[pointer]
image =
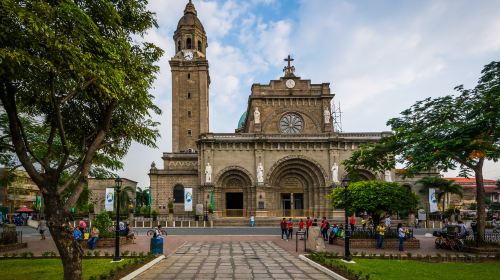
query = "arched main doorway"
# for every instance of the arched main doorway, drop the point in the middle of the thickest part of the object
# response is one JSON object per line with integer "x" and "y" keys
{"x": 233, "y": 193}
{"x": 299, "y": 187}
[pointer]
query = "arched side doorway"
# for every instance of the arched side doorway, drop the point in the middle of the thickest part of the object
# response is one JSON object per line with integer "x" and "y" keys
{"x": 299, "y": 188}
{"x": 234, "y": 193}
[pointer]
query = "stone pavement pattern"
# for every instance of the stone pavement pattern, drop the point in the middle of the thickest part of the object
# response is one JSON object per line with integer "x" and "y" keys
{"x": 232, "y": 260}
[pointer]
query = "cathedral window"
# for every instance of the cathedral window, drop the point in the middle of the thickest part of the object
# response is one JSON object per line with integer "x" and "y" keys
{"x": 189, "y": 95}
{"x": 189, "y": 114}
{"x": 188, "y": 43}
{"x": 189, "y": 76}
{"x": 179, "y": 194}
{"x": 291, "y": 123}
{"x": 189, "y": 132}
{"x": 199, "y": 46}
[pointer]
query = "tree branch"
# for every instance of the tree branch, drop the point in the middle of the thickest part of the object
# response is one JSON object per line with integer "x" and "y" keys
{"x": 76, "y": 91}
{"x": 7, "y": 95}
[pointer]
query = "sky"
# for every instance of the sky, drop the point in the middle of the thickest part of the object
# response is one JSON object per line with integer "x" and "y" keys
{"x": 379, "y": 57}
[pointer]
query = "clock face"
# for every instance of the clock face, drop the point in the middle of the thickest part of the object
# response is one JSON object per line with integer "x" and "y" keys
{"x": 290, "y": 83}
{"x": 188, "y": 55}
{"x": 291, "y": 123}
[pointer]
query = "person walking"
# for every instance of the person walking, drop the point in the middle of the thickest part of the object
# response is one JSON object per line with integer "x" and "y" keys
{"x": 402, "y": 236}
{"x": 42, "y": 227}
{"x": 352, "y": 222}
{"x": 380, "y": 235}
{"x": 283, "y": 226}
{"x": 290, "y": 228}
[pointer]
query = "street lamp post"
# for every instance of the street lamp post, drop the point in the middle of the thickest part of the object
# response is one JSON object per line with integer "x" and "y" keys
{"x": 118, "y": 184}
{"x": 347, "y": 253}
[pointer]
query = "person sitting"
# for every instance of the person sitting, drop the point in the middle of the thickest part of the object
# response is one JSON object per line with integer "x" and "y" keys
{"x": 129, "y": 233}
{"x": 77, "y": 234}
{"x": 94, "y": 236}
{"x": 462, "y": 232}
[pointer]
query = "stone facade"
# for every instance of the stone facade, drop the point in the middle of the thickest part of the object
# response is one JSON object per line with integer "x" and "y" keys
{"x": 98, "y": 191}
{"x": 279, "y": 160}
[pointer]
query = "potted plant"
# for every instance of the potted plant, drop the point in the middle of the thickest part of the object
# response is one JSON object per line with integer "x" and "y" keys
{"x": 170, "y": 206}
{"x": 154, "y": 213}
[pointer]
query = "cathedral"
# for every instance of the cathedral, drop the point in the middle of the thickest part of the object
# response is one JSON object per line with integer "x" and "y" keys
{"x": 283, "y": 159}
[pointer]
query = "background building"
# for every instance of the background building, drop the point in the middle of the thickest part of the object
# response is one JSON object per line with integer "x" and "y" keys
{"x": 98, "y": 187}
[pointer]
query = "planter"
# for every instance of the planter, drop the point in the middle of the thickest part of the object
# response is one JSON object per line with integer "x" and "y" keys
{"x": 106, "y": 242}
{"x": 388, "y": 243}
{"x": 12, "y": 247}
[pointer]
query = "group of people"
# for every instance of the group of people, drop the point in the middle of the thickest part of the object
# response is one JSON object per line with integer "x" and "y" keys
{"x": 287, "y": 227}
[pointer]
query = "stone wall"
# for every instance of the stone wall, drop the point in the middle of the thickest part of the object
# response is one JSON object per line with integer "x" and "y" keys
{"x": 388, "y": 243}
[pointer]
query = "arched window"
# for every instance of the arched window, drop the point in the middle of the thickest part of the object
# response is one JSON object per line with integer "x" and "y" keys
{"x": 179, "y": 45}
{"x": 199, "y": 46}
{"x": 179, "y": 194}
{"x": 189, "y": 76}
{"x": 188, "y": 43}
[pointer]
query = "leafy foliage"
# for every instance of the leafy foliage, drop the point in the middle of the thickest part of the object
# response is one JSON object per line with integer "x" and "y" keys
{"x": 376, "y": 198}
{"x": 442, "y": 187}
{"x": 103, "y": 222}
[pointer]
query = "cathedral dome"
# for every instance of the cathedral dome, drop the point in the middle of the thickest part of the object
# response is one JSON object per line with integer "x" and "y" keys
{"x": 241, "y": 122}
{"x": 190, "y": 18}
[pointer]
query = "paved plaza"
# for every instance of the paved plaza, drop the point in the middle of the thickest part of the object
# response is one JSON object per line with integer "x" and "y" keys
{"x": 232, "y": 260}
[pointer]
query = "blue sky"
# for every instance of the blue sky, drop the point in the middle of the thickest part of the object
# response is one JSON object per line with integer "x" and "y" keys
{"x": 379, "y": 56}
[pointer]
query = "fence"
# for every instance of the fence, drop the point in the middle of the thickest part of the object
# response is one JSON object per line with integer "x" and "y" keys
{"x": 490, "y": 239}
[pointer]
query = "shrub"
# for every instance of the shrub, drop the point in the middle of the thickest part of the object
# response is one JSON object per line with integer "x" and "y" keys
{"x": 363, "y": 254}
{"x": 13, "y": 255}
{"x": 141, "y": 254}
{"x": 26, "y": 255}
{"x": 88, "y": 253}
{"x": 106, "y": 254}
{"x": 409, "y": 255}
{"x": 125, "y": 253}
{"x": 134, "y": 254}
{"x": 103, "y": 222}
{"x": 97, "y": 253}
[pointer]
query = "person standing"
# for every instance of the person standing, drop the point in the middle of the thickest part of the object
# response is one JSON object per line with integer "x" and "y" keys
{"x": 290, "y": 228}
{"x": 363, "y": 222}
{"x": 402, "y": 236}
{"x": 283, "y": 226}
{"x": 309, "y": 224}
{"x": 380, "y": 235}
{"x": 325, "y": 226}
{"x": 42, "y": 227}
{"x": 252, "y": 220}
{"x": 352, "y": 222}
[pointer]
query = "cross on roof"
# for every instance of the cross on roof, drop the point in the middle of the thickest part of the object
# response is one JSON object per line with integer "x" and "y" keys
{"x": 289, "y": 69}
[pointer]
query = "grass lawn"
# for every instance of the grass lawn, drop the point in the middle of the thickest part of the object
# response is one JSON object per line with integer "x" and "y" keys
{"x": 409, "y": 270}
{"x": 41, "y": 269}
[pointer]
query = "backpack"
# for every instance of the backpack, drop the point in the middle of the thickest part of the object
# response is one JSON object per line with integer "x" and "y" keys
{"x": 327, "y": 227}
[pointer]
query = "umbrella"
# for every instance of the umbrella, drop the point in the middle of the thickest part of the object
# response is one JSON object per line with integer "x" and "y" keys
{"x": 25, "y": 210}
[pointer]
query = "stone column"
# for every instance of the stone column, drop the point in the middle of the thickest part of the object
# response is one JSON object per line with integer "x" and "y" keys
{"x": 316, "y": 202}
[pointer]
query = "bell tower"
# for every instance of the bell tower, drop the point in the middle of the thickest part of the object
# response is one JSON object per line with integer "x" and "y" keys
{"x": 190, "y": 82}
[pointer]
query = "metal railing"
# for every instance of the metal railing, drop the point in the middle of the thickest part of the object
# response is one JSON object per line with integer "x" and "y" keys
{"x": 492, "y": 239}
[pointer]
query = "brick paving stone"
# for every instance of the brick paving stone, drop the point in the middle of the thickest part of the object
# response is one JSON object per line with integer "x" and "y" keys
{"x": 232, "y": 260}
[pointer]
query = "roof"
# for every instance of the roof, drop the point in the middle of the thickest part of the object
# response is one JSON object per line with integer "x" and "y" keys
{"x": 462, "y": 180}
{"x": 190, "y": 19}
{"x": 241, "y": 122}
{"x": 470, "y": 184}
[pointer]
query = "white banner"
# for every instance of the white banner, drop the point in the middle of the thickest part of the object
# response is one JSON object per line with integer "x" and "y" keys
{"x": 188, "y": 199}
{"x": 109, "y": 199}
{"x": 433, "y": 206}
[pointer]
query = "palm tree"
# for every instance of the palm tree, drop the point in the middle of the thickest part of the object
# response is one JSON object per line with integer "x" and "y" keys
{"x": 442, "y": 186}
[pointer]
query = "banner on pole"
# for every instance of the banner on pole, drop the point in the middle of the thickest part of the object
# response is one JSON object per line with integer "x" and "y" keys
{"x": 188, "y": 199}
{"x": 433, "y": 206}
{"x": 109, "y": 199}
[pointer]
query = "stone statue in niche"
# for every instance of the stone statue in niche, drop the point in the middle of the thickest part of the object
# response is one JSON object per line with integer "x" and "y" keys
{"x": 208, "y": 173}
{"x": 260, "y": 173}
{"x": 256, "y": 115}
{"x": 388, "y": 176}
{"x": 326, "y": 114}
{"x": 335, "y": 173}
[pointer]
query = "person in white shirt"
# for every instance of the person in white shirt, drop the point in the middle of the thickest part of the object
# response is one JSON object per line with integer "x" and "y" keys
{"x": 388, "y": 222}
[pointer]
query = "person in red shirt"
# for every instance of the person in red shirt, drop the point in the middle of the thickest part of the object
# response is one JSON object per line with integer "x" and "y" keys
{"x": 290, "y": 228}
{"x": 301, "y": 225}
{"x": 283, "y": 226}
{"x": 352, "y": 222}
{"x": 308, "y": 225}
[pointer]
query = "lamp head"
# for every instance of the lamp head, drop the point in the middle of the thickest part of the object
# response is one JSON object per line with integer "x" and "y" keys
{"x": 118, "y": 182}
{"x": 345, "y": 181}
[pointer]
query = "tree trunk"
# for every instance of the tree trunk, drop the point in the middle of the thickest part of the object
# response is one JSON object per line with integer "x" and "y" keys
{"x": 69, "y": 249}
{"x": 481, "y": 205}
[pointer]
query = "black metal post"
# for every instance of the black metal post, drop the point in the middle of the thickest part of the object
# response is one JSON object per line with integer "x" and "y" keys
{"x": 118, "y": 184}
{"x": 347, "y": 253}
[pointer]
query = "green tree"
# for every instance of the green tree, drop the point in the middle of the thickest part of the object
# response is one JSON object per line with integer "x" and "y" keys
{"x": 74, "y": 85}
{"x": 442, "y": 186}
{"x": 377, "y": 198}
{"x": 449, "y": 132}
